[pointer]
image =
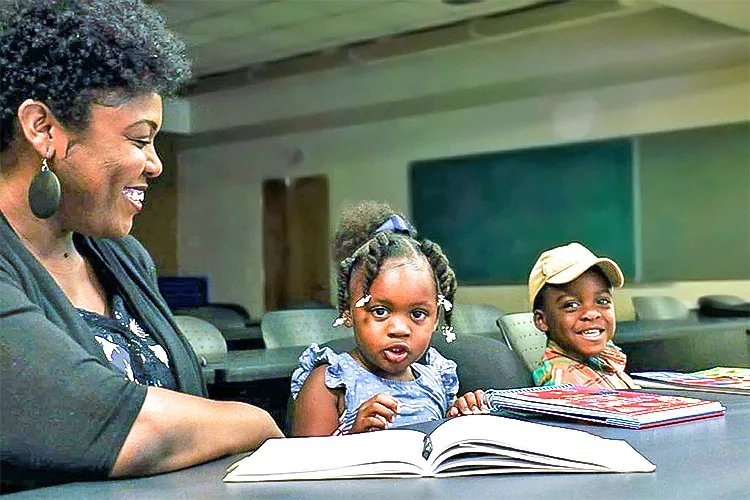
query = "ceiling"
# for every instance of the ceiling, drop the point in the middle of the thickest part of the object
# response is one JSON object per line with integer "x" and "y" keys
{"x": 224, "y": 35}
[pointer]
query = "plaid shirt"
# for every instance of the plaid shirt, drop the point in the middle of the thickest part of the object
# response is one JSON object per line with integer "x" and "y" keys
{"x": 606, "y": 371}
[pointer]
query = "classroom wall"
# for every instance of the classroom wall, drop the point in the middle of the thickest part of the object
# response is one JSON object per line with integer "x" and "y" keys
{"x": 695, "y": 185}
{"x": 219, "y": 216}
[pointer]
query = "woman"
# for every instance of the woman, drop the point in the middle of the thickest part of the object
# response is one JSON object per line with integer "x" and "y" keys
{"x": 96, "y": 379}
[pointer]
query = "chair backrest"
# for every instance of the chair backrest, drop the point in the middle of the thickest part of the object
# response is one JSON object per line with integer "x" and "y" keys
{"x": 205, "y": 339}
{"x": 300, "y": 327}
{"x": 477, "y": 319}
{"x": 482, "y": 362}
{"x": 221, "y": 315}
{"x": 523, "y": 337}
{"x": 723, "y": 305}
{"x": 659, "y": 307}
{"x": 310, "y": 304}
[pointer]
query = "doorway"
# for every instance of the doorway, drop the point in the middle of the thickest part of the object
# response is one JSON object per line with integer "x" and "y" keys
{"x": 295, "y": 243}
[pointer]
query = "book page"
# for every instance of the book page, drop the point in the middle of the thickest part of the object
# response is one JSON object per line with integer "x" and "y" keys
{"x": 469, "y": 456}
{"x": 494, "y": 465}
{"x": 576, "y": 447}
{"x": 382, "y": 452}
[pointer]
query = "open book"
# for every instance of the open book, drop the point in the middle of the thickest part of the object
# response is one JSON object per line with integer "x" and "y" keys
{"x": 468, "y": 445}
{"x": 719, "y": 379}
{"x": 636, "y": 410}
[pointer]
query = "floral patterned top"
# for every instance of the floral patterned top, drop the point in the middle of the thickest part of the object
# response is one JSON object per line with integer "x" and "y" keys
{"x": 129, "y": 348}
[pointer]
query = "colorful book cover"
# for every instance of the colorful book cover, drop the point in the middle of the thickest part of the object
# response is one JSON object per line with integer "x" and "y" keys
{"x": 622, "y": 408}
{"x": 719, "y": 377}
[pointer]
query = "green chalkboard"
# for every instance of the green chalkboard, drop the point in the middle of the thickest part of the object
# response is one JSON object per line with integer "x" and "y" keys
{"x": 494, "y": 213}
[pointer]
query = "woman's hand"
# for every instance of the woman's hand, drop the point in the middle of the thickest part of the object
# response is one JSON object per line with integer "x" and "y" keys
{"x": 468, "y": 404}
{"x": 376, "y": 413}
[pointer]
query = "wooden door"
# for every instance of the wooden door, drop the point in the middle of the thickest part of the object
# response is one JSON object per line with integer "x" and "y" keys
{"x": 296, "y": 239}
{"x": 156, "y": 226}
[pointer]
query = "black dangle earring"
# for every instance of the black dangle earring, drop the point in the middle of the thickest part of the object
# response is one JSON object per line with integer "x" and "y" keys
{"x": 44, "y": 192}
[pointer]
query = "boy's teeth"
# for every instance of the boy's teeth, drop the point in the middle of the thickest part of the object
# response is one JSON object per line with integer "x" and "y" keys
{"x": 591, "y": 333}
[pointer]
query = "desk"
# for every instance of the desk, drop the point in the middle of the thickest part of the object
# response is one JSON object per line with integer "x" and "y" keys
{"x": 242, "y": 333}
{"x": 701, "y": 459}
{"x": 632, "y": 331}
{"x": 239, "y": 339}
{"x": 692, "y": 344}
{"x": 256, "y": 364}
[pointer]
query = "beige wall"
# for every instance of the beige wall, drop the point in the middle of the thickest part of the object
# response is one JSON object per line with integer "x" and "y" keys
{"x": 219, "y": 226}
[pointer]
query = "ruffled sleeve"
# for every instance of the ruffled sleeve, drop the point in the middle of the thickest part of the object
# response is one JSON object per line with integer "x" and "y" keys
{"x": 446, "y": 370}
{"x": 311, "y": 358}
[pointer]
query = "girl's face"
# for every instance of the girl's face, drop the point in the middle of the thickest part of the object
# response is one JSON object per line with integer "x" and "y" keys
{"x": 579, "y": 316}
{"x": 104, "y": 170}
{"x": 393, "y": 329}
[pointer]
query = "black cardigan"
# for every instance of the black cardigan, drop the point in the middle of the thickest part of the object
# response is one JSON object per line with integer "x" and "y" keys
{"x": 65, "y": 413}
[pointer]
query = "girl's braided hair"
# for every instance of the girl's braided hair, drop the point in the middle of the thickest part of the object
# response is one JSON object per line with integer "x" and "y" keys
{"x": 356, "y": 245}
{"x": 69, "y": 54}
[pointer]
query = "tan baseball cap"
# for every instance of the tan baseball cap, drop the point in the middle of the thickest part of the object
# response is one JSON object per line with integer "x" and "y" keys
{"x": 564, "y": 264}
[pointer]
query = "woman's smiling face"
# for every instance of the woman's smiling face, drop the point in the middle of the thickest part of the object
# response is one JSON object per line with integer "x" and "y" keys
{"x": 579, "y": 316}
{"x": 104, "y": 170}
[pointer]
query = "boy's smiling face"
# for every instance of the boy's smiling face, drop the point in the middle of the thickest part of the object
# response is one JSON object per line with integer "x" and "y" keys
{"x": 579, "y": 316}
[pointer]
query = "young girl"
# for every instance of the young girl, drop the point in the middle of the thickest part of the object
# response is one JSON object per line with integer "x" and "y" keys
{"x": 391, "y": 289}
{"x": 570, "y": 290}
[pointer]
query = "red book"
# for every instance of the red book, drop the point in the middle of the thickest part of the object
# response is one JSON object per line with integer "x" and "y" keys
{"x": 635, "y": 410}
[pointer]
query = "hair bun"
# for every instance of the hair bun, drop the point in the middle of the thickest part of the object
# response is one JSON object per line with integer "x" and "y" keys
{"x": 360, "y": 223}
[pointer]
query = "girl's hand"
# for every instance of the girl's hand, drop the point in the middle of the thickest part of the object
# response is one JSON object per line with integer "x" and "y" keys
{"x": 376, "y": 413}
{"x": 468, "y": 404}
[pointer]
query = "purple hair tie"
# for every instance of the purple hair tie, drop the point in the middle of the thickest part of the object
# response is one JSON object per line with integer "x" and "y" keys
{"x": 394, "y": 223}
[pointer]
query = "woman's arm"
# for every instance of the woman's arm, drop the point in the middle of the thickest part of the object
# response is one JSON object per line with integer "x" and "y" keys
{"x": 317, "y": 408}
{"x": 67, "y": 416}
{"x": 175, "y": 430}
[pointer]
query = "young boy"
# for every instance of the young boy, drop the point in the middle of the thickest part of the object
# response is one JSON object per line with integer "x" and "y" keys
{"x": 570, "y": 290}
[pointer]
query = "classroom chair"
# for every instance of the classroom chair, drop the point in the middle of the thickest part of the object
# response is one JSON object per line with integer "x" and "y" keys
{"x": 240, "y": 330}
{"x": 522, "y": 336}
{"x": 477, "y": 319}
{"x": 205, "y": 339}
{"x": 300, "y": 327}
{"x": 723, "y": 305}
{"x": 483, "y": 362}
{"x": 223, "y": 315}
{"x": 659, "y": 307}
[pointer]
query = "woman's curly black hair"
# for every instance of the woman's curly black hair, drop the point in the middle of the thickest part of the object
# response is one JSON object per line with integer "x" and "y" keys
{"x": 72, "y": 53}
{"x": 356, "y": 245}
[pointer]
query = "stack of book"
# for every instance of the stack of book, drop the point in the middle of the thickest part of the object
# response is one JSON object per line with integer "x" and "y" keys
{"x": 632, "y": 409}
